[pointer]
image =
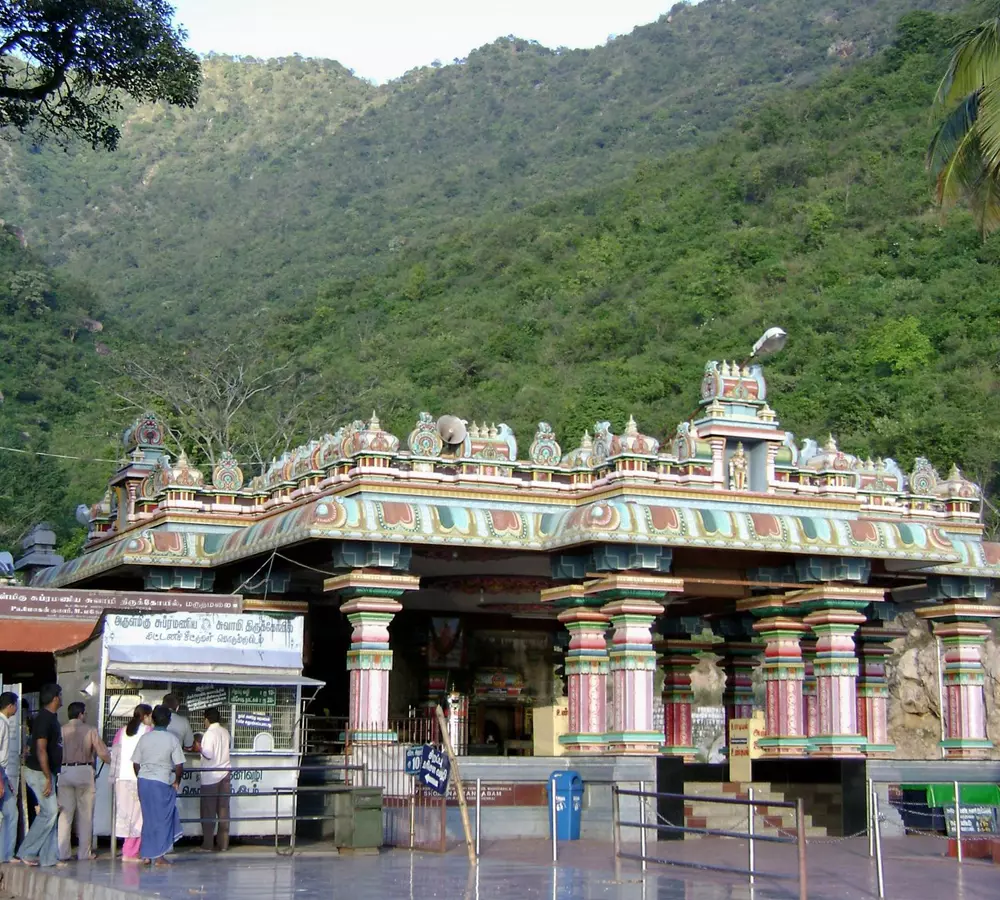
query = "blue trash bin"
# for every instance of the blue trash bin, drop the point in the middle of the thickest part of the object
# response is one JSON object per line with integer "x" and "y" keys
{"x": 566, "y": 792}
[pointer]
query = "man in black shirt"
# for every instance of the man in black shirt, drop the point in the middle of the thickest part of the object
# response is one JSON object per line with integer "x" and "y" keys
{"x": 41, "y": 768}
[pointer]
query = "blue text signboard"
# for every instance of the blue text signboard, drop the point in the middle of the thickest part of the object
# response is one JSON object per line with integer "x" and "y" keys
{"x": 435, "y": 768}
{"x": 413, "y": 757}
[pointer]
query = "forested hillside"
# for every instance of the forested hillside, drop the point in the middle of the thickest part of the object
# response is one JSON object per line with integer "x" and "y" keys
{"x": 52, "y": 357}
{"x": 814, "y": 214}
{"x": 291, "y": 171}
{"x": 582, "y": 298}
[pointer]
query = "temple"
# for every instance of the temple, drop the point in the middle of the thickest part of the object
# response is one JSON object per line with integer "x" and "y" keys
{"x": 526, "y": 584}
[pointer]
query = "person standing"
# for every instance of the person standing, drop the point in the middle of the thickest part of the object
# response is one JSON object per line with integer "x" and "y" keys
{"x": 158, "y": 761}
{"x": 216, "y": 785}
{"x": 41, "y": 773}
{"x": 10, "y": 760}
{"x": 81, "y": 745}
{"x": 179, "y": 726}
{"x": 128, "y": 813}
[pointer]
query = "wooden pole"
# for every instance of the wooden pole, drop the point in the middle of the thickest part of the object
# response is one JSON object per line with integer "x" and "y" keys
{"x": 470, "y": 844}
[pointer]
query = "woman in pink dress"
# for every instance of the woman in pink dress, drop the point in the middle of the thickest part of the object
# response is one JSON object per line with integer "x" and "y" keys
{"x": 128, "y": 814}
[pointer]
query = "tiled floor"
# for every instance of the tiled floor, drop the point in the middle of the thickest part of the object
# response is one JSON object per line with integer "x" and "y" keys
{"x": 914, "y": 869}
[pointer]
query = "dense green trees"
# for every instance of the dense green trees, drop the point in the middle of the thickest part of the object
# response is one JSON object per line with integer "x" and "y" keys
{"x": 64, "y": 66}
{"x": 549, "y": 295}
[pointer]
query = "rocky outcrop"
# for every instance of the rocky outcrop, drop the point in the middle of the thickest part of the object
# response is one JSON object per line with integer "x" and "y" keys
{"x": 914, "y": 703}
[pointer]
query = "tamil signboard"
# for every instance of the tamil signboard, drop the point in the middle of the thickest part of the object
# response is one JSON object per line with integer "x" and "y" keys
{"x": 53, "y": 603}
{"x": 435, "y": 769}
{"x": 743, "y": 737}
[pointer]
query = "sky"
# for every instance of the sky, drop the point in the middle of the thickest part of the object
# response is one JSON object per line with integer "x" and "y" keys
{"x": 382, "y": 41}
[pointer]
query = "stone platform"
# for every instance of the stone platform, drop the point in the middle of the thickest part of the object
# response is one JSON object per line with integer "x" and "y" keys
{"x": 915, "y": 868}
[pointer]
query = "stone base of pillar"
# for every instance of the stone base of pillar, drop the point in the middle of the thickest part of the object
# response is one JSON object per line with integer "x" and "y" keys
{"x": 838, "y": 746}
{"x": 966, "y": 748}
{"x": 688, "y": 754}
{"x": 634, "y": 742}
{"x": 784, "y": 746}
{"x": 578, "y": 744}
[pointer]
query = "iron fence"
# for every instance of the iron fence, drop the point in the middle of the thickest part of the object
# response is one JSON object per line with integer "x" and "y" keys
{"x": 751, "y": 837}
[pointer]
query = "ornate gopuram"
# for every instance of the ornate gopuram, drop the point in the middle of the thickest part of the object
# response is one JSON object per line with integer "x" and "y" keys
{"x": 562, "y": 598}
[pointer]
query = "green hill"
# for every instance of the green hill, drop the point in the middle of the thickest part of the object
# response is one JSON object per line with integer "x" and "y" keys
{"x": 589, "y": 298}
{"x": 292, "y": 171}
{"x": 52, "y": 356}
{"x": 814, "y": 214}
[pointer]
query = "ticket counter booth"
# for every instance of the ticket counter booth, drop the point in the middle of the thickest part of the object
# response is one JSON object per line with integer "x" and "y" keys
{"x": 248, "y": 666}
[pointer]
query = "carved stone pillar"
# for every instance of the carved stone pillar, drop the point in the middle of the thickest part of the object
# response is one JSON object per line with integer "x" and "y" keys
{"x": 873, "y": 687}
{"x": 783, "y": 672}
{"x": 630, "y": 601}
{"x": 371, "y": 603}
{"x": 810, "y": 707}
{"x": 678, "y": 660}
{"x": 739, "y": 659}
{"x": 586, "y": 669}
{"x": 836, "y": 669}
{"x": 963, "y": 628}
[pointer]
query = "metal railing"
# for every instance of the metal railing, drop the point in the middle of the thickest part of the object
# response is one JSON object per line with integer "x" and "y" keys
{"x": 292, "y": 792}
{"x": 875, "y": 819}
{"x": 751, "y": 837}
{"x": 334, "y": 735}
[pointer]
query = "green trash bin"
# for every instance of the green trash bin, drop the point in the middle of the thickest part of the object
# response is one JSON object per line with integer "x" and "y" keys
{"x": 358, "y": 818}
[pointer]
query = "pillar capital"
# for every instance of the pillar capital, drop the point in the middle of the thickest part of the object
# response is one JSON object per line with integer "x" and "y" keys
{"x": 366, "y": 583}
{"x": 944, "y": 615}
{"x": 633, "y": 587}
{"x": 568, "y": 595}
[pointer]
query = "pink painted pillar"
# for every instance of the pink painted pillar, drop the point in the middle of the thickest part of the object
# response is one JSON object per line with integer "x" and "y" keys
{"x": 678, "y": 660}
{"x": 783, "y": 674}
{"x": 836, "y": 669}
{"x": 873, "y": 687}
{"x": 371, "y": 604}
{"x": 810, "y": 708}
{"x": 633, "y": 666}
{"x": 963, "y": 636}
{"x": 586, "y": 679}
{"x": 739, "y": 659}
{"x": 370, "y": 661}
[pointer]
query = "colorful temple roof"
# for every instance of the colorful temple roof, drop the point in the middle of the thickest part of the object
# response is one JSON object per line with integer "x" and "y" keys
{"x": 729, "y": 478}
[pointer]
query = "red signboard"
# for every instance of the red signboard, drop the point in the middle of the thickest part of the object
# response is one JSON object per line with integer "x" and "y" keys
{"x": 497, "y": 794}
{"x": 52, "y": 603}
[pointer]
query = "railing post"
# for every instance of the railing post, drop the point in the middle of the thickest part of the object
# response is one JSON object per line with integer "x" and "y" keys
{"x": 878, "y": 845}
{"x": 642, "y": 824}
{"x": 479, "y": 787}
{"x": 750, "y": 831}
{"x": 552, "y": 800}
{"x": 114, "y": 817}
{"x": 800, "y": 840}
{"x": 871, "y": 831}
{"x": 616, "y": 820}
{"x": 958, "y": 823}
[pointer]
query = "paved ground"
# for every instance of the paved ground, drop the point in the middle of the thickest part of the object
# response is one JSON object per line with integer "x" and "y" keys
{"x": 915, "y": 869}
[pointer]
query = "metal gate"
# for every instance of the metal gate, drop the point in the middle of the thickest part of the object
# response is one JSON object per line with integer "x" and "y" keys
{"x": 413, "y": 816}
